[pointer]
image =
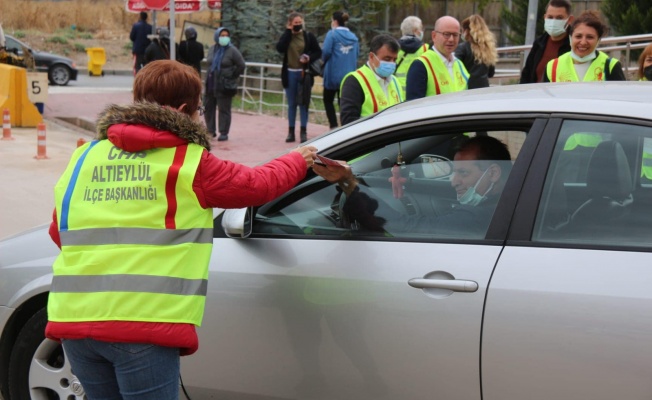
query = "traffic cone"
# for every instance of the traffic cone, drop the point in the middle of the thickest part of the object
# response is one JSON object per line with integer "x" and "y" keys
{"x": 40, "y": 148}
{"x": 80, "y": 142}
{"x": 6, "y": 125}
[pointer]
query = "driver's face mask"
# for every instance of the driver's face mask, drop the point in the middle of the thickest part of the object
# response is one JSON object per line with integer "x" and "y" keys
{"x": 473, "y": 198}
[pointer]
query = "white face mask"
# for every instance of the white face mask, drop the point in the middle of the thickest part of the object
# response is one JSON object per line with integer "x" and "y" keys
{"x": 473, "y": 198}
{"x": 555, "y": 27}
{"x": 420, "y": 35}
{"x": 584, "y": 59}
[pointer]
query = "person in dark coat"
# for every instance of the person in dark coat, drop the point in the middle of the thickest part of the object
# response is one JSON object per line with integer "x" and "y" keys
{"x": 226, "y": 64}
{"x": 478, "y": 52}
{"x": 159, "y": 49}
{"x": 551, "y": 44}
{"x": 138, "y": 36}
{"x": 191, "y": 52}
{"x": 299, "y": 49}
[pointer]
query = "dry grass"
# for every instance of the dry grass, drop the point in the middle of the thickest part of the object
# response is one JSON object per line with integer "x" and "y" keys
{"x": 48, "y": 26}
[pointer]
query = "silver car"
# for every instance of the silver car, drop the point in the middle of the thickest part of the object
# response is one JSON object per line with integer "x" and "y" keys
{"x": 551, "y": 299}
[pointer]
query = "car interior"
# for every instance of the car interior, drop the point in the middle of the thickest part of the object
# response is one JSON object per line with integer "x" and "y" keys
{"x": 597, "y": 191}
{"x": 425, "y": 165}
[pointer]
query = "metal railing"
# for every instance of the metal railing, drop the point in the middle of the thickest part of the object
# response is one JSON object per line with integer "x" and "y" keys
{"x": 260, "y": 79}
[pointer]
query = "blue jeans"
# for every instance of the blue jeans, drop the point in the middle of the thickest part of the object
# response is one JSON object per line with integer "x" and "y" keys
{"x": 109, "y": 371}
{"x": 294, "y": 80}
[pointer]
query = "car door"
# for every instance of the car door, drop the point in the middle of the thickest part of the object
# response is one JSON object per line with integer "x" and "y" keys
{"x": 569, "y": 309}
{"x": 313, "y": 305}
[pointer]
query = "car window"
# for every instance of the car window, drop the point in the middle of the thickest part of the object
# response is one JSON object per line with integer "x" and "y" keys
{"x": 599, "y": 186}
{"x": 13, "y": 45}
{"x": 406, "y": 190}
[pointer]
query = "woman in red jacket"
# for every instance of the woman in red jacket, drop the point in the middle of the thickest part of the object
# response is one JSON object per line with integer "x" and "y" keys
{"x": 133, "y": 219}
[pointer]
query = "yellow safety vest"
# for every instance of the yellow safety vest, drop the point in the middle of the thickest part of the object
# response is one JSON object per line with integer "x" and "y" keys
{"x": 439, "y": 79}
{"x": 562, "y": 70}
{"x": 403, "y": 62}
{"x": 135, "y": 241}
{"x": 374, "y": 97}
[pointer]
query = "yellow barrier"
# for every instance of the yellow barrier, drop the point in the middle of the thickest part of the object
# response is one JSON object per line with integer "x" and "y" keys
{"x": 13, "y": 95}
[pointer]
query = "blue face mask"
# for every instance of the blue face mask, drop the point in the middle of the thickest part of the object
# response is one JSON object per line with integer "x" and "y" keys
{"x": 385, "y": 69}
{"x": 224, "y": 41}
{"x": 473, "y": 198}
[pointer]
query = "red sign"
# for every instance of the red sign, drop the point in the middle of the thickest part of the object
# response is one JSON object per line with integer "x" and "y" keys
{"x": 180, "y": 6}
{"x": 156, "y": 4}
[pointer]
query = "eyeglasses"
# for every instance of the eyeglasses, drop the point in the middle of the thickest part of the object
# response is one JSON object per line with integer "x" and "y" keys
{"x": 201, "y": 109}
{"x": 448, "y": 35}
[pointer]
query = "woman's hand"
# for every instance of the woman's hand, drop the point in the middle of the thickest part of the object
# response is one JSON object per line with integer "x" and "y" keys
{"x": 308, "y": 153}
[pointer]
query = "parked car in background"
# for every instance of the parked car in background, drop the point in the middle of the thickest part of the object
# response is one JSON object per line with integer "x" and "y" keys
{"x": 60, "y": 69}
{"x": 550, "y": 300}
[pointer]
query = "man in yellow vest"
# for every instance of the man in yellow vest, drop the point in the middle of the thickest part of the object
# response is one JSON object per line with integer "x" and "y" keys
{"x": 412, "y": 46}
{"x": 372, "y": 87}
{"x": 438, "y": 71}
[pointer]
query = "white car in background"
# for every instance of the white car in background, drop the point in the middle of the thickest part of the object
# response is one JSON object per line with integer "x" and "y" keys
{"x": 552, "y": 300}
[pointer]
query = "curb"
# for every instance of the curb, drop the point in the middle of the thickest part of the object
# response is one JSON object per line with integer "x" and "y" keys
{"x": 123, "y": 72}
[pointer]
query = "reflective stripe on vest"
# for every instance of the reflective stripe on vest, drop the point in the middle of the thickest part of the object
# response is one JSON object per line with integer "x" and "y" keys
{"x": 374, "y": 96}
{"x": 439, "y": 79}
{"x": 403, "y": 63}
{"x": 135, "y": 241}
{"x": 562, "y": 69}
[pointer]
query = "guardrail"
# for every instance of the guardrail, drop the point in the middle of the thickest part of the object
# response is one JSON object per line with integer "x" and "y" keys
{"x": 262, "y": 79}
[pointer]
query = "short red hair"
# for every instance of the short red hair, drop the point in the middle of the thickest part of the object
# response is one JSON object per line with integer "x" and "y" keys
{"x": 168, "y": 83}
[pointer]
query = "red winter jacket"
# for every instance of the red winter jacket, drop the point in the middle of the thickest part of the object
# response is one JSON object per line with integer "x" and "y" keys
{"x": 217, "y": 183}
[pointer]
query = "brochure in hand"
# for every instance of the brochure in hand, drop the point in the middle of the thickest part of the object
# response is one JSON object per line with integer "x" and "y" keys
{"x": 328, "y": 162}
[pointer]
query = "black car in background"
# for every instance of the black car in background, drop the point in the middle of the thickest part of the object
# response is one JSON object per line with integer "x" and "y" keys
{"x": 60, "y": 69}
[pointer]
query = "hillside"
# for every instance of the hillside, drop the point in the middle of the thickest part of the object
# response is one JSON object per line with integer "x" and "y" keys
{"x": 69, "y": 27}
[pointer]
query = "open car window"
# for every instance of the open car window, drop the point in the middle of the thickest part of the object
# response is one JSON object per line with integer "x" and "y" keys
{"x": 405, "y": 192}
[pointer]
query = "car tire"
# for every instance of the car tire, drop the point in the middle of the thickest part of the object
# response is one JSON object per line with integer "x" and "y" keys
{"x": 59, "y": 74}
{"x": 38, "y": 368}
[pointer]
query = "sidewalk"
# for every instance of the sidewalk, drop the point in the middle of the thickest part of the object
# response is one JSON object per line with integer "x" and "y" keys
{"x": 27, "y": 184}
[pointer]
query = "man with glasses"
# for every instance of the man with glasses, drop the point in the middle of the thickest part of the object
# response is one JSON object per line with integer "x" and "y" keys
{"x": 438, "y": 71}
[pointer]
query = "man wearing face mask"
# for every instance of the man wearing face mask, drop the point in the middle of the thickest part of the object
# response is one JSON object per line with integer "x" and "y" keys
{"x": 372, "y": 87}
{"x": 412, "y": 46}
{"x": 438, "y": 71}
{"x": 481, "y": 167}
{"x": 551, "y": 44}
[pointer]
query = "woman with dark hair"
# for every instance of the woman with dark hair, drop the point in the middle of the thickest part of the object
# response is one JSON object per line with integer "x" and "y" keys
{"x": 299, "y": 49}
{"x": 478, "y": 52}
{"x": 340, "y": 55}
{"x": 134, "y": 221}
{"x": 645, "y": 64}
{"x": 225, "y": 67}
{"x": 584, "y": 63}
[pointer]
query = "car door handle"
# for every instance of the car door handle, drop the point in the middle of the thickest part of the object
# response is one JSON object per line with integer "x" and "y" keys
{"x": 456, "y": 285}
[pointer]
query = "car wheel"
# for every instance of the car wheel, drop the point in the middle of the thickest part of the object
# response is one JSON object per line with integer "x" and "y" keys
{"x": 38, "y": 368}
{"x": 59, "y": 75}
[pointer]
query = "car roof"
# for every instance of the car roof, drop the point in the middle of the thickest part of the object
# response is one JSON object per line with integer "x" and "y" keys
{"x": 617, "y": 99}
{"x": 630, "y": 99}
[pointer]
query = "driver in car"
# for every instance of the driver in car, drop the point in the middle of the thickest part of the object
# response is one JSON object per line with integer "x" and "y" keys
{"x": 481, "y": 167}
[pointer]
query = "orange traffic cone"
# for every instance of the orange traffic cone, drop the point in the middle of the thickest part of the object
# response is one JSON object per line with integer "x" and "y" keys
{"x": 40, "y": 149}
{"x": 6, "y": 125}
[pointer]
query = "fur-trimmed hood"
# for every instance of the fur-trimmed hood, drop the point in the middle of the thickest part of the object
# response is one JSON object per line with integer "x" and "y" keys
{"x": 143, "y": 125}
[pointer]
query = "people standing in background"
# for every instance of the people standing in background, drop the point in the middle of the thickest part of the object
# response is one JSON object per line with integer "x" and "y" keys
{"x": 226, "y": 66}
{"x": 159, "y": 49}
{"x": 191, "y": 52}
{"x": 412, "y": 46}
{"x": 438, "y": 71}
{"x": 478, "y": 52}
{"x": 340, "y": 55}
{"x": 551, "y": 44}
{"x": 584, "y": 63}
{"x": 299, "y": 49}
{"x": 645, "y": 64}
{"x": 140, "y": 41}
{"x": 372, "y": 87}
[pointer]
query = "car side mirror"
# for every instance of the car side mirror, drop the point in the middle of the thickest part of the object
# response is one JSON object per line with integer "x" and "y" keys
{"x": 238, "y": 222}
